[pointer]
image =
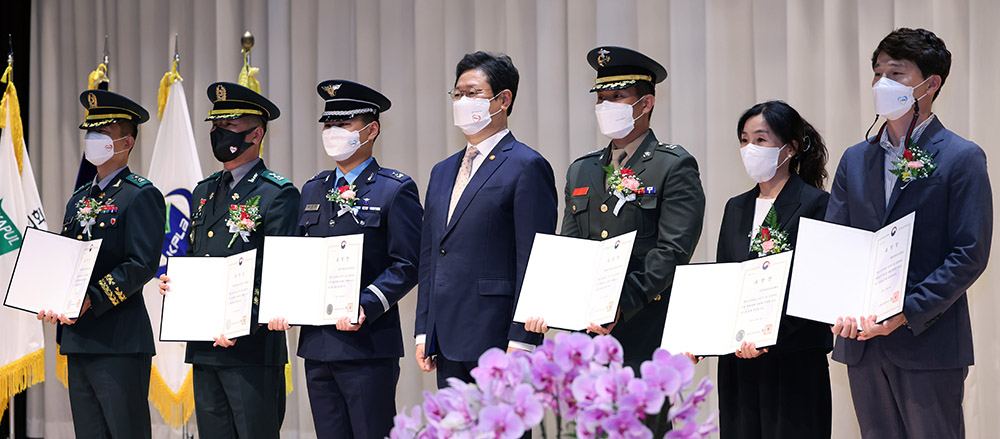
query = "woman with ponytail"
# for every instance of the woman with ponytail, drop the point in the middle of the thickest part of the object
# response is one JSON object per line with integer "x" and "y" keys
{"x": 782, "y": 391}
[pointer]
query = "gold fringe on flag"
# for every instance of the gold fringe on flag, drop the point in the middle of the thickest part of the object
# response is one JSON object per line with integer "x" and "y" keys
{"x": 20, "y": 374}
{"x": 62, "y": 371}
{"x": 168, "y": 79}
{"x": 176, "y": 408}
{"x": 16, "y": 130}
{"x": 288, "y": 378}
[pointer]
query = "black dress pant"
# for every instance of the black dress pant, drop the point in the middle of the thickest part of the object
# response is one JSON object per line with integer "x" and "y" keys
{"x": 352, "y": 399}
{"x": 108, "y": 395}
{"x": 244, "y": 402}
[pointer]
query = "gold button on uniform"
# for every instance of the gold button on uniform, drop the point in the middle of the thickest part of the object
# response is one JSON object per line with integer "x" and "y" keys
{"x": 574, "y": 208}
{"x": 604, "y": 233}
{"x": 211, "y": 233}
{"x": 79, "y": 236}
{"x": 604, "y": 208}
{"x": 657, "y": 298}
{"x": 102, "y": 223}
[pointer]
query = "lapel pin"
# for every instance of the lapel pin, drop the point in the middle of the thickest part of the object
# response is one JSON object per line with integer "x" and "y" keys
{"x": 236, "y": 196}
{"x": 647, "y": 155}
{"x": 371, "y": 176}
{"x": 492, "y": 157}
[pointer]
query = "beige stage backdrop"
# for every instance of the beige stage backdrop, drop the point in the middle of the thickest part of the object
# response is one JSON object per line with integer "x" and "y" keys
{"x": 723, "y": 56}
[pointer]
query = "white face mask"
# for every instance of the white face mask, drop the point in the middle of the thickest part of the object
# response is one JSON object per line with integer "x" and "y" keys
{"x": 615, "y": 119}
{"x": 341, "y": 144}
{"x": 761, "y": 162}
{"x": 99, "y": 148}
{"x": 892, "y": 99}
{"x": 472, "y": 114}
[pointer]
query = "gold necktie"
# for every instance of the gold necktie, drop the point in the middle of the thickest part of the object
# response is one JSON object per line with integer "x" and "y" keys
{"x": 464, "y": 175}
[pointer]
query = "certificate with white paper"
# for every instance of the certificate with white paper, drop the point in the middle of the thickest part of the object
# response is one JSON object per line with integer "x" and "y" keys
{"x": 311, "y": 280}
{"x": 208, "y": 296}
{"x": 572, "y": 282}
{"x": 714, "y": 308}
{"x": 846, "y": 272}
{"x": 52, "y": 272}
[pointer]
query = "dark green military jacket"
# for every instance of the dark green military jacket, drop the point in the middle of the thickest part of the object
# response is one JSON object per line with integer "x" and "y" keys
{"x": 667, "y": 218}
{"x": 209, "y": 236}
{"x": 130, "y": 221}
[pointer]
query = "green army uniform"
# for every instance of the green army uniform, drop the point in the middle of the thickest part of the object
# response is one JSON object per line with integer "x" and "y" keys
{"x": 110, "y": 347}
{"x": 667, "y": 213}
{"x": 239, "y": 391}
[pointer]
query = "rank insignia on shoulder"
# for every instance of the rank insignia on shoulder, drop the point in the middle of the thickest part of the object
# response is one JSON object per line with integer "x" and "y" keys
{"x": 397, "y": 174}
{"x": 312, "y": 207}
{"x": 580, "y": 191}
{"x": 135, "y": 179}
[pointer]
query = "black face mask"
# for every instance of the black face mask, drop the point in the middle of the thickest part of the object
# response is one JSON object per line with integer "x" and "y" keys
{"x": 227, "y": 145}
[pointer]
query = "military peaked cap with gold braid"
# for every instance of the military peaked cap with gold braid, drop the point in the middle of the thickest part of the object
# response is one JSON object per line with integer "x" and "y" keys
{"x": 346, "y": 99}
{"x": 105, "y": 108}
{"x": 618, "y": 68}
{"x": 233, "y": 101}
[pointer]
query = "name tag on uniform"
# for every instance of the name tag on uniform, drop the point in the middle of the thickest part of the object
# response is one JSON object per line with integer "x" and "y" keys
{"x": 312, "y": 207}
{"x": 580, "y": 191}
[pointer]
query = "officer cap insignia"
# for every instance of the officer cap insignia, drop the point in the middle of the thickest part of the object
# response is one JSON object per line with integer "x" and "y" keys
{"x": 603, "y": 57}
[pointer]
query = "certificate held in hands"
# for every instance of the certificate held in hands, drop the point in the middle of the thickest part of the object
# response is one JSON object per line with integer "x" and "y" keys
{"x": 714, "y": 308}
{"x": 846, "y": 272}
{"x": 572, "y": 282}
{"x": 208, "y": 296}
{"x": 52, "y": 272}
{"x": 310, "y": 280}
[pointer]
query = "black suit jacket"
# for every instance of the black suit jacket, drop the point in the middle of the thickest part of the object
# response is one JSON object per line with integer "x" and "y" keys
{"x": 132, "y": 233}
{"x": 796, "y": 200}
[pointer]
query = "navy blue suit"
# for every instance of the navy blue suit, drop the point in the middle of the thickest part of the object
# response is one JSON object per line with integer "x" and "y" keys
{"x": 352, "y": 376}
{"x": 925, "y": 361}
{"x": 471, "y": 269}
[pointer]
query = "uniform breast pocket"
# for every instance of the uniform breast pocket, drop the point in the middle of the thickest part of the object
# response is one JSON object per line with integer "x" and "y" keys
{"x": 647, "y": 216}
{"x": 578, "y": 208}
{"x": 308, "y": 222}
{"x": 369, "y": 219}
{"x": 106, "y": 227}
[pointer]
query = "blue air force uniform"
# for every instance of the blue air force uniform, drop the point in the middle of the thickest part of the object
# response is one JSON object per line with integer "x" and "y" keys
{"x": 352, "y": 376}
{"x": 239, "y": 391}
{"x": 110, "y": 347}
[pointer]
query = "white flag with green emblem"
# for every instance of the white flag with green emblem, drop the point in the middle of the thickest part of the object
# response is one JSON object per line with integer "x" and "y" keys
{"x": 21, "y": 350}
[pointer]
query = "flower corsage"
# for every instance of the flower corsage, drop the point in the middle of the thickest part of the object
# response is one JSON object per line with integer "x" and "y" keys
{"x": 769, "y": 239}
{"x": 914, "y": 163}
{"x": 87, "y": 210}
{"x": 243, "y": 219}
{"x": 346, "y": 199}
{"x": 622, "y": 183}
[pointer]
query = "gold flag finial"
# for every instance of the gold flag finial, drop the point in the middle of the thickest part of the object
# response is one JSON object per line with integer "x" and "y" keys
{"x": 247, "y": 41}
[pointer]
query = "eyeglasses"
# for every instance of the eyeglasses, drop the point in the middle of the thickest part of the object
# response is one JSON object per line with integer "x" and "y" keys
{"x": 457, "y": 94}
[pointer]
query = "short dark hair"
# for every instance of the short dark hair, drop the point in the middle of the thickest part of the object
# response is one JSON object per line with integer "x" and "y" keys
{"x": 643, "y": 88}
{"x": 258, "y": 121}
{"x": 921, "y": 47}
{"x": 128, "y": 128}
{"x": 498, "y": 68}
{"x": 809, "y": 162}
